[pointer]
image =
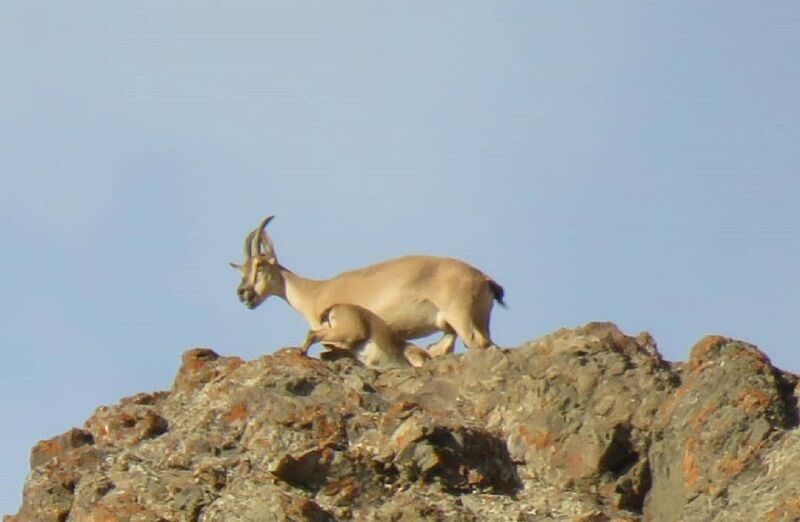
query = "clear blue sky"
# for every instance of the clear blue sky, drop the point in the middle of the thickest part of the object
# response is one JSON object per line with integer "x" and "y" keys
{"x": 637, "y": 162}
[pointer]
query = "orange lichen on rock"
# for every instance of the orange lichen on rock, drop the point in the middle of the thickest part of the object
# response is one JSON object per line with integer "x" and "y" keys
{"x": 538, "y": 439}
{"x": 237, "y": 413}
{"x": 752, "y": 401}
{"x": 703, "y": 350}
{"x": 689, "y": 461}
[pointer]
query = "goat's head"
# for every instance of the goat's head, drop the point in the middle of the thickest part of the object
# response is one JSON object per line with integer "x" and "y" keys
{"x": 260, "y": 271}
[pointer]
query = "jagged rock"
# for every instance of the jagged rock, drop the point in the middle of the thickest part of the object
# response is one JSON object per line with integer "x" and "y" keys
{"x": 585, "y": 424}
{"x": 731, "y": 406}
{"x": 58, "y": 446}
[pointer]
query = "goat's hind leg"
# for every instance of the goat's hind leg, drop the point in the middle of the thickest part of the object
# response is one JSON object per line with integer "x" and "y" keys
{"x": 446, "y": 344}
{"x": 471, "y": 327}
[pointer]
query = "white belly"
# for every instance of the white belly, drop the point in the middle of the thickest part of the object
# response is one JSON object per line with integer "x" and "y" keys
{"x": 372, "y": 355}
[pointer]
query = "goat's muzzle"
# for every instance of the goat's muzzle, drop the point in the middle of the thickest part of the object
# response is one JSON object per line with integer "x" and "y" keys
{"x": 248, "y": 297}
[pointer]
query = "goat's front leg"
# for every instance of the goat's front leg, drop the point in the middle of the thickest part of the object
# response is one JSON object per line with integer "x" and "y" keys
{"x": 331, "y": 339}
{"x": 313, "y": 336}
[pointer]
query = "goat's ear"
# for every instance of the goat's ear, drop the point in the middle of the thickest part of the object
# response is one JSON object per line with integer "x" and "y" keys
{"x": 324, "y": 316}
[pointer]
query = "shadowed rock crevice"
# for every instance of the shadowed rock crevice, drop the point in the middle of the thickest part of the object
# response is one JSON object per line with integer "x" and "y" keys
{"x": 620, "y": 454}
{"x": 632, "y": 488}
{"x": 461, "y": 460}
{"x": 788, "y": 390}
{"x": 301, "y": 387}
{"x": 584, "y": 424}
{"x": 307, "y": 470}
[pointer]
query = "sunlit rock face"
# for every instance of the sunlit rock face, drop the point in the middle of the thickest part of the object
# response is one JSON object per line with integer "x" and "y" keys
{"x": 585, "y": 424}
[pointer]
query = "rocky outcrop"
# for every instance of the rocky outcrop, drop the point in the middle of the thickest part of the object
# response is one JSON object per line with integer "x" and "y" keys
{"x": 585, "y": 424}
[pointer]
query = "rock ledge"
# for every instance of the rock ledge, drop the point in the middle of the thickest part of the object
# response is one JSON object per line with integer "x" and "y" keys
{"x": 585, "y": 424}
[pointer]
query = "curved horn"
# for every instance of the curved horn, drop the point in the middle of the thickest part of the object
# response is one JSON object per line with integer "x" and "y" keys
{"x": 254, "y": 240}
{"x": 248, "y": 245}
{"x": 265, "y": 222}
{"x": 256, "y": 236}
{"x": 263, "y": 239}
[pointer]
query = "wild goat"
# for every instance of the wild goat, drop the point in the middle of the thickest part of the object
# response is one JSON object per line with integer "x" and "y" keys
{"x": 414, "y": 295}
{"x": 366, "y": 337}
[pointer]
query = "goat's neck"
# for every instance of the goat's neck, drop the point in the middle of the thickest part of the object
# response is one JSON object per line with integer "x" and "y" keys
{"x": 301, "y": 294}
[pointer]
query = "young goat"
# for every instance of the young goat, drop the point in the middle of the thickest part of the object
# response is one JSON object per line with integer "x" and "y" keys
{"x": 366, "y": 336}
{"x": 414, "y": 295}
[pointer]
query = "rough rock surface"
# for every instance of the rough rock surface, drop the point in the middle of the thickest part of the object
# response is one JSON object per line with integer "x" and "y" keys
{"x": 585, "y": 424}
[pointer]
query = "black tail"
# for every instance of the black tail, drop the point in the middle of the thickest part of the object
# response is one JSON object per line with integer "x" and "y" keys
{"x": 498, "y": 292}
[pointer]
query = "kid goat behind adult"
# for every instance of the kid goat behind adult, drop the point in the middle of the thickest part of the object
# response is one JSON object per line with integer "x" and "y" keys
{"x": 415, "y": 295}
{"x": 364, "y": 336}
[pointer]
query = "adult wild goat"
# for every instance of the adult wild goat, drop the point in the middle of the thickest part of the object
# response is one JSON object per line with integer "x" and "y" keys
{"x": 414, "y": 295}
